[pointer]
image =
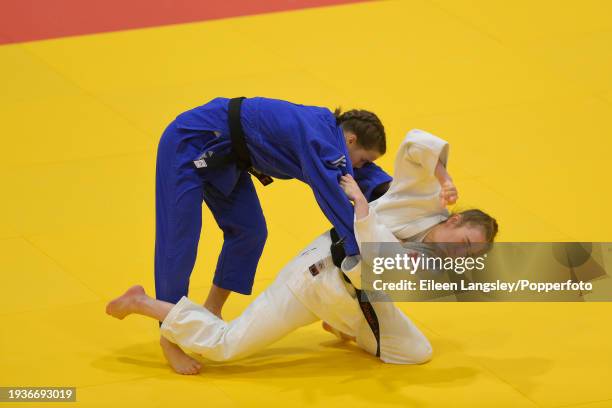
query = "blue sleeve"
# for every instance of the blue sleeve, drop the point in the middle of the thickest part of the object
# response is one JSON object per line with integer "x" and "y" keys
{"x": 372, "y": 180}
{"x": 322, "y": 166}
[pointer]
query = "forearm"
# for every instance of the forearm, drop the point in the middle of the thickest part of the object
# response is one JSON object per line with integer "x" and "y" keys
{"x": 441, "y": 173}
{"x": 362, "y": 209}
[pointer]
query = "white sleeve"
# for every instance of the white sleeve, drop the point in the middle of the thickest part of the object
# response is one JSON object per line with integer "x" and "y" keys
{"x": 367, "y": 229}
{"x": 370, "y": 229}
{"x": 424, "y": 149}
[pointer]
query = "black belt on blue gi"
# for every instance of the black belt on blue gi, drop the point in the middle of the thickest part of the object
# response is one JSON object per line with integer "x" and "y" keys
{"x": 240, "y": 153}
{"x": 338, "y": 255}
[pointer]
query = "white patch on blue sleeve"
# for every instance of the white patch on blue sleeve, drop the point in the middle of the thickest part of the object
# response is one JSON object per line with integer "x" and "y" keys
{"x": 339, "y": 162}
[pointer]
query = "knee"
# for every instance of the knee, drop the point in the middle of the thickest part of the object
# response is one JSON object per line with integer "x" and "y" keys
{"x": 256, "y": 233}
{"x": 411, "y": 353}
{"x": 261, "y": 233}
{"x": 420, "y": 352}
{"x": 423, "y": 353}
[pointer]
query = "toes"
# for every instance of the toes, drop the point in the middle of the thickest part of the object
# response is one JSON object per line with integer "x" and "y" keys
{"x": 189, "y": 370}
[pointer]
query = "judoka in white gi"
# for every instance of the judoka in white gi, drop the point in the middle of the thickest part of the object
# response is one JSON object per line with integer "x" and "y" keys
{"x": 310, "y": 288}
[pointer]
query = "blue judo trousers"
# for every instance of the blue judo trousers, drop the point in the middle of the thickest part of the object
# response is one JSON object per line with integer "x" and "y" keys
{"x": 285, "y": 141}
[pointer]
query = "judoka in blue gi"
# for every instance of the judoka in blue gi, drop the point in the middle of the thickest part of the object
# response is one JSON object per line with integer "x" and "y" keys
{"x": 208, "y": 154}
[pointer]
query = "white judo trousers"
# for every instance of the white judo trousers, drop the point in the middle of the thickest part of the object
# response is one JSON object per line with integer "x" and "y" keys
{"x": 310, "y": 288}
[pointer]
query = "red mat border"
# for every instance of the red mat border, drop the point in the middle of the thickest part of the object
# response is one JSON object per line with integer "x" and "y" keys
{"x": 29, "y": 20}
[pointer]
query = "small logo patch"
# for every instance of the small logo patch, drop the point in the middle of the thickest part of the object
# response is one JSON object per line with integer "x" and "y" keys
{"x": 314, "y": 271}
{"x": 340, "y": 162}
{"x": 200, "y": 163}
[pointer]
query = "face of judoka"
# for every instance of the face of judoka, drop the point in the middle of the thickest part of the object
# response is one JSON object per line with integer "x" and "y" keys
{"x": 359, "y": 155}
{"x": 464, "y": 239}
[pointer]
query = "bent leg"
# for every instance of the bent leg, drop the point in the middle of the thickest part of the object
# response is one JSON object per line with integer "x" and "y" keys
{"x": 241, "y": 219}
{"x": 271, "y": 316}
{"x": 401, "y": 342}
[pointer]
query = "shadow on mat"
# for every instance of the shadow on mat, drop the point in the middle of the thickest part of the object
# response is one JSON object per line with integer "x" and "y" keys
{"x": 328, "y": 369}
{"x": 331, "y": 359}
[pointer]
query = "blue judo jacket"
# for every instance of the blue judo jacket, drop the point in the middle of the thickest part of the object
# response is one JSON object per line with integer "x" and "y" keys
{"x": 285, "y": 140}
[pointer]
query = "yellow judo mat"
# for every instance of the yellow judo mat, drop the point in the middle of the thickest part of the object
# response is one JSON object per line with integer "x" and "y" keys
{"x": 522, "y": 90}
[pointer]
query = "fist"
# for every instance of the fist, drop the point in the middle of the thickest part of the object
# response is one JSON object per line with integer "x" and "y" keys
{"x": 448, "y": 193}
{"x": 350, "y": 187}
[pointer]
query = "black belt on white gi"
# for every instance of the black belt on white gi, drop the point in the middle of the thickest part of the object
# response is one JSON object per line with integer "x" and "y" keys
{"x": 239, "y": 153}
{"x": 338, "y": 255}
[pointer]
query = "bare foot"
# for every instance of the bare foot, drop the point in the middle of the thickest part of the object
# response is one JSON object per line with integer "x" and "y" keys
{"x": 342, "y": 336}
{"x": 125, "y": 304}
{"x": 178, "y": 360}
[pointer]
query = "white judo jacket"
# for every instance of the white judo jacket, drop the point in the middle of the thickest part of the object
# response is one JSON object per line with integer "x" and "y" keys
{"x": 410, "y": 206}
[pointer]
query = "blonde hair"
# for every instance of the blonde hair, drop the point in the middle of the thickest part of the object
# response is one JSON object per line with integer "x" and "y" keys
{"x": 480, "y": 219}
